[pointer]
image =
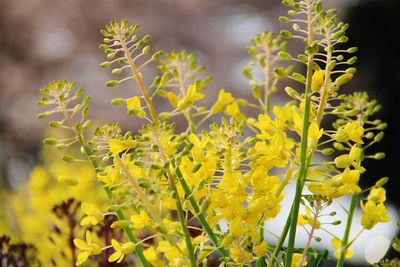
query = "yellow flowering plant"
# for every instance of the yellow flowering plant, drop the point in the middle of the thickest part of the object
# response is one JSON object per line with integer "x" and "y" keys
{"x": 204, "y": 194}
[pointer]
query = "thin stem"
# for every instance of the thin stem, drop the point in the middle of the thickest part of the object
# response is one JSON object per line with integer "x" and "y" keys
{"x": 281, "y": 240}
{"x": 139, "y": 80}
{"x": 345, "y": 239}
{"x": 303, "y": 147}
{"x": 311, "y": 234}
{"x": 324, "y": 89}
{"x": 181, "y": 215}
{"x": 198, "y": 213}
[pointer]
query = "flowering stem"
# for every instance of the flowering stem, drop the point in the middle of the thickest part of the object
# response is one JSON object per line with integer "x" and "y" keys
{"x": 345, "y": 239}
{"x": 303, "y": 146}
{"x": 139, "y": 80}
{"x": 95, "y": 165}
{"x": 198, "y": 214}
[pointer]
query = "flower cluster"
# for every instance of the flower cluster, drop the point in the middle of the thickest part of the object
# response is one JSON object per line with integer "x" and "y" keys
{"x": 185, "y": 198}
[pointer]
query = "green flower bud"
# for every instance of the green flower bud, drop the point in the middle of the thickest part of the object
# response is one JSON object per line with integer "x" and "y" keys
{"x": 343, "y": 79}
{"x": 196, "y": 167}
{"x": 338, "y": 146}
{"x": 284, "y": 55}
{"x": 157, "y": 55}
{"x": 247, "y": 73}
{"x": 382, "y": 126}
{"x": 379, "y": 137}
{"x": 112, "y": 83}
{"x": 144, "y": 183}
{"x": 55, "y": 124}
{"x": 43, "y": 115}
{"x": 50, "y": 141}
{"x": 369, "y": 135}
{"x": 256, "y": 91}
{"x": 284, "y": 19}
{"x": 328, "y": 151}
{"x": 287, "y": 34}
{"x": 379, "y": 156}
{"x": 280, "y": 72}
{"x": 381, "y": 182}
{"x": 352, "y": 50}
{"x": 291, "y": 92}
{"x": 116, "y": 71}
{"x": 68, "y": 158}
{"x": 119, "y": 224}
{"x": 299, "y": 77}
{"x": 352, "y": 60}
{"x": 117, "y": 101}
{"x": 146, "y": 50}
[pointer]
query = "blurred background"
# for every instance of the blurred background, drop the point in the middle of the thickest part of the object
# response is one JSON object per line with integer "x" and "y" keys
{"x": 44, "y": 40}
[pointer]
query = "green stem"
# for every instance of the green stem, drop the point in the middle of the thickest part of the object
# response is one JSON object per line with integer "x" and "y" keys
{"x": 280, "y": 241}
{"x": 304, "y": 160}
{"x": 198, "y": 214}
{"x": 303, "y": 164}
{"x": 188, "y": 240}
{"x": 345, "y": 239}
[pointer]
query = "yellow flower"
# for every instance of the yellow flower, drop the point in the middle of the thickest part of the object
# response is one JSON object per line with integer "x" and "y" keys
{"x": 308, "y": 219}
{"x": 341, "y": 184}
{"x": 377, "y": 195}
{"x": 317, "y": 80}
{"x": 350, "y": 131}
{"x": 141, "y": 220}
{"x": 344, "y": 161}
{"x": 314, "y": 134}
{"x": 224, "y": 98}
{"x": 151, "y": 256}
{"x": 337, "y": 244}
{"x": 89, "y": 248}
{"x": 173, "y": 99}
{"x": 134, "y": 107}
{"x": 191, "y": 96}
{"x": 239, "y": 254}
{"x": 93, "y": 214}
{"x": 172, "y": 254}
{"x": 117, "y": 146}
{"x": 373, "y": 213}
{"x": 261, "y": 249}
{"x": 233, "y": 110}
{"x": 120, "y": 250}
{"x": 296, "y": 258}
{"x": 110, "y": 176}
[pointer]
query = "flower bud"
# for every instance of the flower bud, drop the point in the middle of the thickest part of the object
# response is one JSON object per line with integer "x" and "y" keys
{"x": 112, "y": 83}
